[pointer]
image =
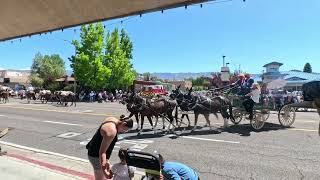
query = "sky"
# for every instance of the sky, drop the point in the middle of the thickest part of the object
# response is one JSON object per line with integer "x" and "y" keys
{"x": 250, "y": 34}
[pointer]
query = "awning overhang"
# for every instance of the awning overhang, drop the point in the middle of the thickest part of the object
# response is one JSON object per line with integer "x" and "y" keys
{"x": 19, "y": 18}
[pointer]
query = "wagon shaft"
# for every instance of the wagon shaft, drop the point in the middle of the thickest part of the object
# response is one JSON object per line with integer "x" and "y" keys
{"x": 304, "y": 104}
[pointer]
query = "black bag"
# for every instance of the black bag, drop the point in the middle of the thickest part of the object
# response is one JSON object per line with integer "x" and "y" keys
{"x": 311, "y": 90}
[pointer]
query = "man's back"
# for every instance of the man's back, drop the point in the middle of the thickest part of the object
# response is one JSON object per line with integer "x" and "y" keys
{"x": 175, "y": 170}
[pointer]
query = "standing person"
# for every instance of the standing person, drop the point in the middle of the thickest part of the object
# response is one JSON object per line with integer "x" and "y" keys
{"x": 102, "y": 143}
{"x": 91, "y": 96}
{"x": 121, "y": 171}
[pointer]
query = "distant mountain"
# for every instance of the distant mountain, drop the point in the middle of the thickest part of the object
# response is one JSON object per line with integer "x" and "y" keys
{"x": 181, "y": 76}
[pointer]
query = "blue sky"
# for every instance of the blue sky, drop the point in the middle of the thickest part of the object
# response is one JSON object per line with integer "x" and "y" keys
{"x": 194, "y": 39}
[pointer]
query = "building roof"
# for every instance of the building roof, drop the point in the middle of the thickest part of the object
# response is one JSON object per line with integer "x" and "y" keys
{"x": 20, "y": 18}
{"x": 273, "y": 63}
{"x": 302, "y": 76}
{"x": 67, "y": 79}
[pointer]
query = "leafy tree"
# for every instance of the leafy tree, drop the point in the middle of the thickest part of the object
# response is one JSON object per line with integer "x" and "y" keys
{"x": 103, "y": 64}
{"x": 53, "y": 87}
{"x": 36, "y": 81}
{"x": 126, "y": 44}
{"x": 117, "y": 60}
{"x": 88, "y": 63}
{"x": 307, "y": 68}
{"x": 46, "y": 69}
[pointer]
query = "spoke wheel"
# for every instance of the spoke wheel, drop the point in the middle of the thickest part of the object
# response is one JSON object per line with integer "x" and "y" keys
{"x": 287, "y": 115}
{"x": 237, "y": 116}
{"x": 257, "y": 122}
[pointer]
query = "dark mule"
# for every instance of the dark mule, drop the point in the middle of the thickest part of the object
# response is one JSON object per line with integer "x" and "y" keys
{"x": 4, "y": 95}
{"x": 30, "y": 95}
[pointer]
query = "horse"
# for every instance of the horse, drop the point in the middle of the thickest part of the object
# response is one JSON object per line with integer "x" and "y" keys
{"x": 30, "y": 95}
{"x": 45, "y": 96}
{"x": 4, "y": 94}
{"x": 204, "y": 105}
{"x": 158, "y": 108}
{"x": 67, "y": 96}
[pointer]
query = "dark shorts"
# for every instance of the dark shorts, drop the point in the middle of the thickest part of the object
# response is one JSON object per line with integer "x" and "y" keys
{"x": 95, "y": 162}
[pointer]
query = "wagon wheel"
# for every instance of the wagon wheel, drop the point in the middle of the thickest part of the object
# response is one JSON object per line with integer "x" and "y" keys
{"x": 237, "y": 116}
{"x": 287, "y": 115}
{"x": 265, "y": 113}
{"x": 257, "y": 122}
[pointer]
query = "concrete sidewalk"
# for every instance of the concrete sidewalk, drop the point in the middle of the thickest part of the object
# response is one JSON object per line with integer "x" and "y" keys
{"x": 27, "y": 163}
{"x": 13, "y": 169}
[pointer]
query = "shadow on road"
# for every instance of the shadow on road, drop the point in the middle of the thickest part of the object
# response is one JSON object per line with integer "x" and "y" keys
{"x": 246, "y": 129}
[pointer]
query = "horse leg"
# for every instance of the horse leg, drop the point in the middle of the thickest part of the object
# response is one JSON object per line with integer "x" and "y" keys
{"x": 206, "y": 116}
{"x": 189, "y": 123}
{"x": 142, "y": 121}
{"x": 196, "y": 116}
{"x": 137, "y": 119}
{"x": 150, "y": 121}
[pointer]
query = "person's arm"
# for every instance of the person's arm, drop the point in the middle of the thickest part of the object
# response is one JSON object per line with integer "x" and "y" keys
{"x": 171, "y": 174}
{"x": 108, "y": 133}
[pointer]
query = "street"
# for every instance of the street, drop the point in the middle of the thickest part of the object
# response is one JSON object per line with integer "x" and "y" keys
{"x": 237, "y": 152}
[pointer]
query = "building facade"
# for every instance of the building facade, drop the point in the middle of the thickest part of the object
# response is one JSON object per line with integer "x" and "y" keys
{"x": 15, "y": 78}
{"x": 292, "y": 80}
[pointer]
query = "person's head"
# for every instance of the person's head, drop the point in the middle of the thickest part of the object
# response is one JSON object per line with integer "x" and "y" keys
{"x": 247, "y": 76}
{"x": 125, "y": 124}
{"x": 123, "y": 155}
{"x": 255, "y": 86}
{"x": 241, "y": 76}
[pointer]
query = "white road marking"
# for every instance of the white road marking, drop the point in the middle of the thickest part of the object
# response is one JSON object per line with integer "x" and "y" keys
{"x": 69, "y": 135}
{"x": 55, "y": 122}
{"x": 2, "y": 115}
{"x": 43, "y": 151}
{"x": 213, "y": 140}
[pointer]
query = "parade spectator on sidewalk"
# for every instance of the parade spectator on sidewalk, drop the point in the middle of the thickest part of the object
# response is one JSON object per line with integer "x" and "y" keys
{"x": 176, "y": 171}
{"x": 92, "y": 95}
{"x": 121, "y": 171}
{"x": 102, "y": 143}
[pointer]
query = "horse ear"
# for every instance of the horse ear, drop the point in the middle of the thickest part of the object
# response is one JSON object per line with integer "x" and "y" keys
{"x": 191, "y": 89}
{"x": 179, "y": 86}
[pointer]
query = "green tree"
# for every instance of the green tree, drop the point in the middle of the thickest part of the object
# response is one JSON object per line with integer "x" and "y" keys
{"x": 126, "y": 44}
{"x": 307, "y": 68}
{"x": 117, "y": 59}
{"x": 36, "y": 81}
{"x": 46, "y": 69}
{"x": 88, "y": 63}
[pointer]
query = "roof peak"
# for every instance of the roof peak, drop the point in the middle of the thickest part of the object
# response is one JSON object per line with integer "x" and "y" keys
{"x": 274, "y": 62}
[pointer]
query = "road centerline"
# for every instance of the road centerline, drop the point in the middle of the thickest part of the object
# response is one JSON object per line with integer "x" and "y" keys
{"x": 213, "y": 140}
{"x": 56, "y": 122}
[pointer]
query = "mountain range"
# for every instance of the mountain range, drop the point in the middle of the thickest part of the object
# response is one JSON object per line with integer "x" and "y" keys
{"x": 180, "y": 76}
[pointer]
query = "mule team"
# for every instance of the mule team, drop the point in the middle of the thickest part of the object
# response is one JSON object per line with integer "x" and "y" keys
{"x": 167, "y": 107}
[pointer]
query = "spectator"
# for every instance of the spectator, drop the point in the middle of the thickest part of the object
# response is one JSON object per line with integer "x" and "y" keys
{"x": 102, "y": 143}
{"x": 121, "y": 171}
{"x": 176, "y": 171}
{"x": 92, "y": 94}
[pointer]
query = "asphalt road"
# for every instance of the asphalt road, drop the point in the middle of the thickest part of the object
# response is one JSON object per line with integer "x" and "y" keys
{"x": 233, "y": 153}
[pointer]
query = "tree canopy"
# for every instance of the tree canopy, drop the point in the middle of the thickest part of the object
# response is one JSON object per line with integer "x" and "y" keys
{"x": 307, "y": 68}
{"x": 103, "y": 62}
{"x": 46, "y": 69}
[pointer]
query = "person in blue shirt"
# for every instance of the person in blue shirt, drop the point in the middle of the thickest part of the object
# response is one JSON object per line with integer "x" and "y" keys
{"x": 176, "y": 171}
